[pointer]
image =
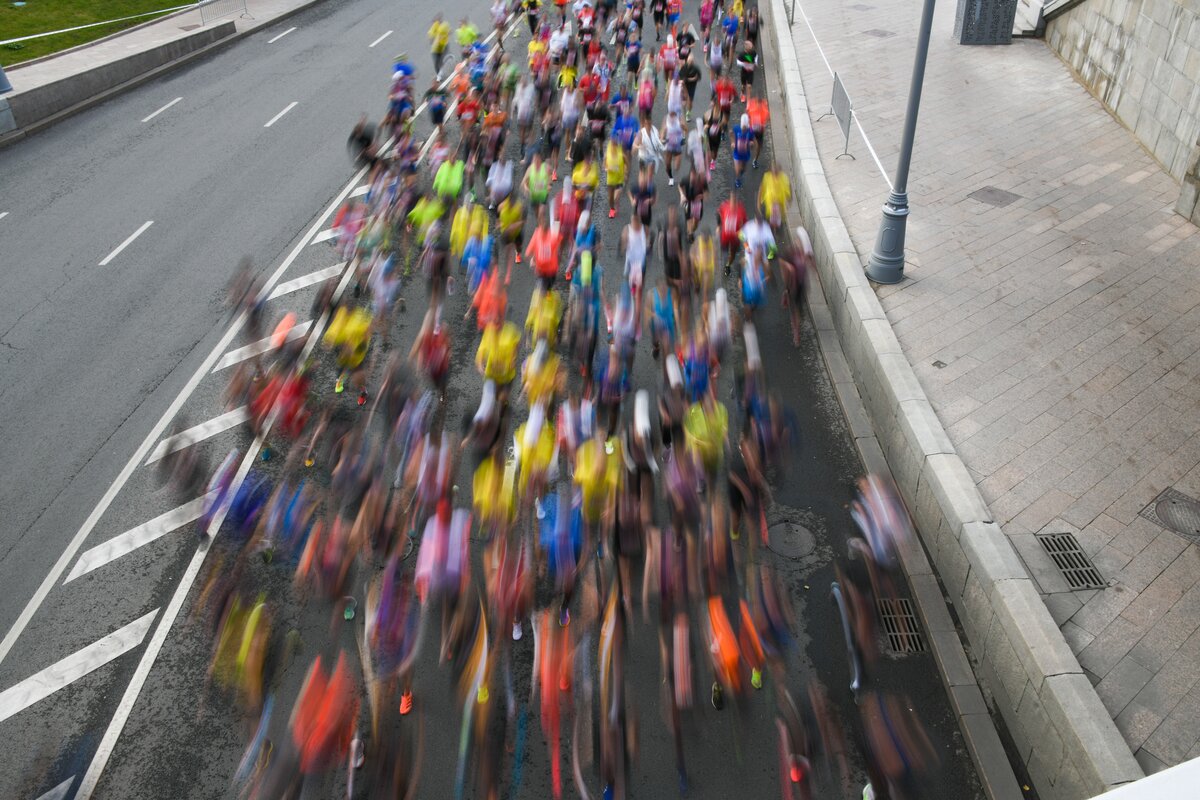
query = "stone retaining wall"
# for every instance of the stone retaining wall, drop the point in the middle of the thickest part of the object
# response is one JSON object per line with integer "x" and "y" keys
{"x": 1142, "y": 59}
{"x": 1064, "y": 734}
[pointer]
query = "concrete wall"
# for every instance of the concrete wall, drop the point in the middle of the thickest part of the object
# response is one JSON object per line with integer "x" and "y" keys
{"x": 1189, "y": 195}
{"x": 1062, "y": 731}
{"x": 33, "y": 106}
{"x": 1142, "y": 59}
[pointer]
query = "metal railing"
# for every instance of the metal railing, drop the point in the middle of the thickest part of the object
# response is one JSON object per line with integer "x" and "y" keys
{"x": 215, "y": 9}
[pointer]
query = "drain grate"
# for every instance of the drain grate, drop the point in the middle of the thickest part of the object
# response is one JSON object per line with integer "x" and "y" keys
{"x": 900, "y": 625}
{"x": 1072, "y": 562}
{"x": 994, "y": 197}
{"x": 879, "y": 33}
{"x": 1176, "y": 512}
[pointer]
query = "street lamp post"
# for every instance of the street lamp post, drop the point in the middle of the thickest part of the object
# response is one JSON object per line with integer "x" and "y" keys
{"x": 886, "y": 264}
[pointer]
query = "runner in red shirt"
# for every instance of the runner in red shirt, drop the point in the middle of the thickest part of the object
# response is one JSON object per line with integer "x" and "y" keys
{"x": 724, "y": 91}
{"x": 732, "y": 216}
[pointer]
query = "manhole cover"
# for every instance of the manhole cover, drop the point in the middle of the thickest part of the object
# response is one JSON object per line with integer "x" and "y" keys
{"x": 1176, "y": 512}
{"x": 994, "y": 197}
{"x": 1181, "y": 516}
{"x": 878, "y": 33}
{"x": 790, "y": 539}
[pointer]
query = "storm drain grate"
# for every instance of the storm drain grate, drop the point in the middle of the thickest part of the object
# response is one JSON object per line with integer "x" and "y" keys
{"x": 994, "y": 197}
{"x": 879, "y": 33}
{"x": 1176, "y": 512}
{"x": 1072, "y": 562}
{"x": 900, "y": 625}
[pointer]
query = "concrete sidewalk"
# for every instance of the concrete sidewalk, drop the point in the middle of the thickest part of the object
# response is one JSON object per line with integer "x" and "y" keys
{"x": 1051, "y": 314}
{"x": 59, "y": 85}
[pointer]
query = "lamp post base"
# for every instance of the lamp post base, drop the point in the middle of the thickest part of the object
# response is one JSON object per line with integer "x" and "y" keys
{"x": 886, "y": 264}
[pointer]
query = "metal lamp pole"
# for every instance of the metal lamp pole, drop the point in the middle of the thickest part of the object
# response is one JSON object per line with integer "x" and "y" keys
{"x": 886, "y": 264}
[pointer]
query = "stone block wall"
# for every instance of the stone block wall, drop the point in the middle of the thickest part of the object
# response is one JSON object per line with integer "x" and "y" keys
{"x": 1142, "y": 59}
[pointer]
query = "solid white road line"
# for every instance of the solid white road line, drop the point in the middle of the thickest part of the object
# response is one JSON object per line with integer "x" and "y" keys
{"x": 134, "y": 538}
{"x": 73, "y": 667}
{"x": 164, "y": 108}
{"x": 380, "y": 39}
{"x": 104, "y": 751}
{"x": 296, "y": 284}
{"x": 60, "y": 566}
{"x": 280, "y": 36}
{"x": 360, "y": 191}
{"x": 325, "y": 235}
{"x": 126, "y": 243}
{"x": 259, "y": 347}
{"x": 198, "y": 433}
{"x": 59, "y": 792}
{"x": 277, "y": 117}
{"x": 3, "y": 214}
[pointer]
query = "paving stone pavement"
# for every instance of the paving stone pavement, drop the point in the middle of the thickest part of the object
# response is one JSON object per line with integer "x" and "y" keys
{"x": 1055, "y": 329}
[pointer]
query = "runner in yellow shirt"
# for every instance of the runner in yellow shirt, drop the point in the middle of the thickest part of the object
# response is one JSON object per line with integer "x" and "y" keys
{"x": 496, "y": 357}
{"x": 773, "y": 195}
{"x": 614, "y": 174}
{"x": 439, "y": 38}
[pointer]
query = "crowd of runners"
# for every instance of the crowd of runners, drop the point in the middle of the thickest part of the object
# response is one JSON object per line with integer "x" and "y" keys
{"x": 573, "y": 503}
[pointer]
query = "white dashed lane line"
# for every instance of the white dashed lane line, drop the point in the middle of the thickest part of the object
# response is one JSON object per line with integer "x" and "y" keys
{"x": 380, "y": 39}
{"x": 108, "y": 258}
{"x": 161, "y": 110}
{"x": 73, "y": 667}
{"x": 280, "y": 36}
{"x": 279, "y": 116}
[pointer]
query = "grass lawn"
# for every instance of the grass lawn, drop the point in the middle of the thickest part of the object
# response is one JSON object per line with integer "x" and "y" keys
{"x": 42, "y": 16}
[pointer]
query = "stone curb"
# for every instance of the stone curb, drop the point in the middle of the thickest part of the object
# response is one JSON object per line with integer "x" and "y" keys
{"x": 1063, "y": 733}
{"x": 30, "y": 128}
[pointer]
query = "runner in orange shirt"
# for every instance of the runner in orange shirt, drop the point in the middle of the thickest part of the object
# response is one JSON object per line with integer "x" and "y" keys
{"x": 542, "y": 251}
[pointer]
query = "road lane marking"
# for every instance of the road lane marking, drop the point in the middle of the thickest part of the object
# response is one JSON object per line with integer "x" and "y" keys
{"x": 260, "y": 347}
{"x": 280, "y": 36}
{"x": 35, "y": 602}
{"x": 104, "y": 751}
{"x": 360, "y": 191}
{"x": 296, "y": 284}
{"x": 380, "y": 39}
{"x": 3, "y": 214}
{"x": 198, "y": 433}
{"x": 325, "y": 235}
{"x": 60, "y": 566}
{"x": 164, "y": 108}
{"x": 140, "y": 536}
{"x": 126, "y": 243}
{"x": 277, "y": 117}
{"x": 73, "y": 667}
{"x": 59, "y": 792}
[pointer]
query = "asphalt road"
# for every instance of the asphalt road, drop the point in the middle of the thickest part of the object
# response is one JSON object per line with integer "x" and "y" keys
{"x": 94, "y": 355}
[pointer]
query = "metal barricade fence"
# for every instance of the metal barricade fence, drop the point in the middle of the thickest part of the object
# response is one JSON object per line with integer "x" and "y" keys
{"x": 215, "y": 9}
{"x": 841, "y": 108}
